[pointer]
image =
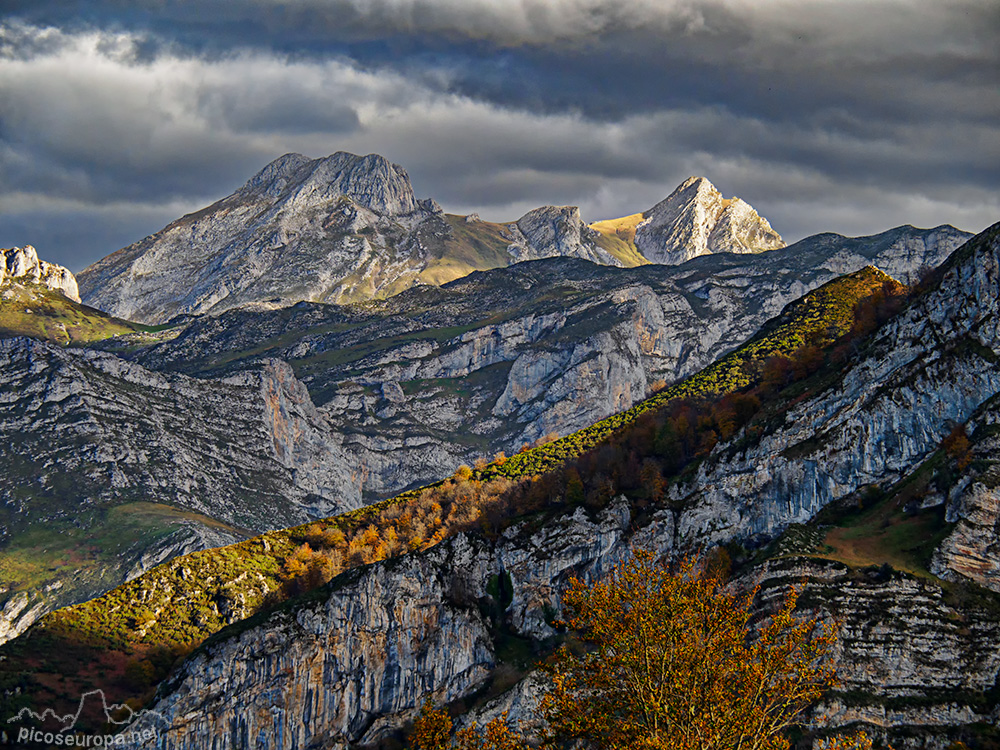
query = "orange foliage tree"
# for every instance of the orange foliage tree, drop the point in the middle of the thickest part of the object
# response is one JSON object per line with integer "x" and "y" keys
{"x": 433, "y": 731}
{"x": 673, "y": 660}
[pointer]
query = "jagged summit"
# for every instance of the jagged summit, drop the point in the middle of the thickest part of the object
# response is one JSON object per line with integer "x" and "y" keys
{"x": 331, "y": 229}
{"x": 372, "y": 181}
{"x": 21, "y": 264}
{"x": 556, "y": 231}
{"x": 337, "y": 229}
{"x": 696, "y": 220}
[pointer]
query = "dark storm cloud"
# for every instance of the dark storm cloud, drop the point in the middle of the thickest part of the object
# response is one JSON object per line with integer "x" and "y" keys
{"x": 827, "y": 115}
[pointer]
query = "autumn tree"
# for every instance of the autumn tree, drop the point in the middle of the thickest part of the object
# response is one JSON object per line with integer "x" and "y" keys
{"x": 674, "y": 660}
{"x": 433, "y": 731}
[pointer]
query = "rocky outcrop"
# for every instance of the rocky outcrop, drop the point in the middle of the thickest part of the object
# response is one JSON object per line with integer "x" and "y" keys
{"x": 926, "y": 370}
{"x": 92, "y": 441}
{"x": 972, "y": 548}
{"x": 21, "y": 265}
{"x": 556, "y": 231}
{"x": 905, "y": 253}
{"x": 345, "y": 669}
{"x": 696, "y": 220}
{"x": 351, "y": 666}
{"x": 250, "y": 450}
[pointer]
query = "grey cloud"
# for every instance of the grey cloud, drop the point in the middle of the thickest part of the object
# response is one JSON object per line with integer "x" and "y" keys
{"x": 820, "y": 120}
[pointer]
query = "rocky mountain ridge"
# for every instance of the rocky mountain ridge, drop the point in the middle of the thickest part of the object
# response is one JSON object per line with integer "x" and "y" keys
{"x": 143, "y": 466}
{"x": 437, "y": 377}
{"x": 336, "y": 229}
{"x": 348, "y": 227}
{"x": 696, "y": 220}
{"x": 400, "y": 391}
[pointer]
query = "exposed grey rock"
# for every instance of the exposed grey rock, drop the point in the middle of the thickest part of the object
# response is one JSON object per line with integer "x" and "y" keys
{"x": 353, "y": 665}
{"x": 324, "y": 229}
{"x": 696, "y": 220}
{"x": 350, "y": 666}
{"x": 972, "y": 549}
{"x": 84, "y": 432}
{"x": 926, "y": 370}
{"x": 417, "y": 384}
{"x": 21, "y": 264}
{"x": 556, "y": 231}
{"x": 250, "y": 450}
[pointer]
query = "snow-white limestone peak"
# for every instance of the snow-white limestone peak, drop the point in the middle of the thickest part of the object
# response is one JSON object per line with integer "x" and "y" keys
{"x": 696, "y": 220}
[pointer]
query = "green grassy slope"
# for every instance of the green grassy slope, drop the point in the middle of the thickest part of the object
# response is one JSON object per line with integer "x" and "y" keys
{"x": 32, "y": 310}
{"x": 617, "y": 236}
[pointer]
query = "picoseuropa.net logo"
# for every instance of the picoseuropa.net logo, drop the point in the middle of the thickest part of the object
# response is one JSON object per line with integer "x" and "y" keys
{"x": 49, "y": 729}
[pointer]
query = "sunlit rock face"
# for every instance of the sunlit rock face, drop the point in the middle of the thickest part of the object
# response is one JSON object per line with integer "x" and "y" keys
{"x": 696, "y": 220}
{"x": 339, "y": 229}
{"x": 21, "y": 265}
{"x": 556, "y": 231}
{"x": 299, "y": 229}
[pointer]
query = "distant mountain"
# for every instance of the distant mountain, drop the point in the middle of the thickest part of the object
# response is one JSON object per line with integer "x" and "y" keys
{"x": 862, "y": 481}
{"x": 693, "y": 220}
{"x": 347, "y": 228}
{"x": 337, "y": 229}
{"x": 435, "y": 377}
{"x": 316, "y": 408}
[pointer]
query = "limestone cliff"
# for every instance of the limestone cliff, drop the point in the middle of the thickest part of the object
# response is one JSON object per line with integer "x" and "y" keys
{"x": 21, "y": 265}
{"x": 299, "y": 229}
{"x": 117, "y": 468}
{"x": 972, "y": 548}
{"x": 556, "y": 231}
{"x": 433, "y": 378}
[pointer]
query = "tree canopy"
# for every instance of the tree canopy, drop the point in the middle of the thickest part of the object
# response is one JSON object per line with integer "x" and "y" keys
{"x": 660, "y": 658}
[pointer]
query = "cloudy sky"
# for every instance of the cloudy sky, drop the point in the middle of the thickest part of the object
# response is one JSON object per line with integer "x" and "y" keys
{"x": 826, "y": 115}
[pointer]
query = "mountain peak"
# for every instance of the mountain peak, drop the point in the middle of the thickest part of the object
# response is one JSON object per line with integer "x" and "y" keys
{"x": 695, "y": 219}
{"x": 372, "y": 181}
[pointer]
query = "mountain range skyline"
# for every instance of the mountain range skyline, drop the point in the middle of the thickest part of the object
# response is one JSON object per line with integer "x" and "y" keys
{"x": 825, "y": 116}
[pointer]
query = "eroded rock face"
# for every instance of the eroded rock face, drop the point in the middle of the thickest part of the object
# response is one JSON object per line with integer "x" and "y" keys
{"x": 85, "y": 432}
{"x": 972, "y": 549}
{"x": 418, "y": 382}
{"x": 346, "y": 668}
{"x": 554, "y": 231}
{"x": 248, "y": 450}
{"x": 21, "y": 264}
{"x": 356, "y": 664}
{"x": 696, "y": 220}
{"x": 324, "y": 229}
{"x": 926, "y": 370}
